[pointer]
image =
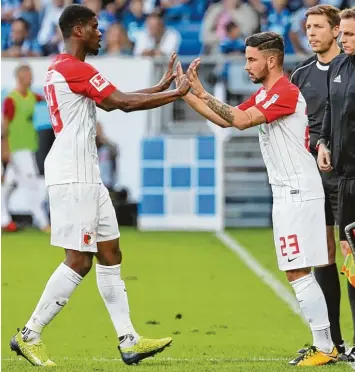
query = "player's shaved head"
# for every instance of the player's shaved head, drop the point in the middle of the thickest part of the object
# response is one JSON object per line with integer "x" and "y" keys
{"x": 74, "y": 15}
{"x": 268, "y": 42}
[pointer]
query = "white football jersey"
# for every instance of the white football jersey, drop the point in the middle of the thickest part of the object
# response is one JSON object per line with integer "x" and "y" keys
{"x": 72, "y": 90}
{"x": 284, "y": 142}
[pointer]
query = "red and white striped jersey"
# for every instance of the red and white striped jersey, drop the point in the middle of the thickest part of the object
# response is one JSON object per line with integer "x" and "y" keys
{"x": 284, "y": 142}
{"x": 72, "y": 90}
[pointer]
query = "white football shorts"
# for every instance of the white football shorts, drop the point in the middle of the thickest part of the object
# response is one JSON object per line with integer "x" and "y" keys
{"x": 82, "y": 215}
{"x": 300, "y": 234}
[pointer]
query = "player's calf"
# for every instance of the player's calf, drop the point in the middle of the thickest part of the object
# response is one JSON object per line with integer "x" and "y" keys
{"x": 132, "y": 347}
{"x": 314, "y": 308}
{"x": 55, "y": 296}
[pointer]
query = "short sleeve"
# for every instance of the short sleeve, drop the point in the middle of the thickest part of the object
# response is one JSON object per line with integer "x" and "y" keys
{"x": 8, "y": 108}
{"x": 250, "y": 102}
{"x": 84, "y": 79}
{"x": 279, "y": 102}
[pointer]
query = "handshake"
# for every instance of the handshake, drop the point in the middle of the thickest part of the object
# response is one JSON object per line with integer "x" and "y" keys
{"x": 184, "y": 81}
{"x": 190, "y": 89}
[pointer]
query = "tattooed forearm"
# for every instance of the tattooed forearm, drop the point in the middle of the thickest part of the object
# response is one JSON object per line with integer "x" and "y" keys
{"x": 220, "y": 108}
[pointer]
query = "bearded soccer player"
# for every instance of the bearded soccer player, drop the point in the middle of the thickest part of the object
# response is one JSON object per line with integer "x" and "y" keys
{"x": 83, "y": 219}
{"x": 322, "y": 25}
{"x": 279, "y": 110}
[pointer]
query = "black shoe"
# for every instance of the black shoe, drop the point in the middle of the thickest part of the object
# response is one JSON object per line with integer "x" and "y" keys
{"x": 348, "y": 356}
{"x": 341, "y": 348}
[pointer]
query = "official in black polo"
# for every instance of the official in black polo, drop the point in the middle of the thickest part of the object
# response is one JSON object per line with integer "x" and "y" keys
{"x": 322, "y": 27}
{"x": 336, "y": 146}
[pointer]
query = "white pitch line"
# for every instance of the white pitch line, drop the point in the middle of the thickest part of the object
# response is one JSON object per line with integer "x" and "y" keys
{"x": 265, "y": 275}
{"x": 169, "y": 359}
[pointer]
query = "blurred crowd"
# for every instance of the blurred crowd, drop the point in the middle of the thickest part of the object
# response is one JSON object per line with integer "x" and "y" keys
{"x": 158, "y": 27}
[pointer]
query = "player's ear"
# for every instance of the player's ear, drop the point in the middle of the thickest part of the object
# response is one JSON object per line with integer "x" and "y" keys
{"x": 78, "y": 30}
{"x": 335, "y": 31}
{"x": 271, "y": 61}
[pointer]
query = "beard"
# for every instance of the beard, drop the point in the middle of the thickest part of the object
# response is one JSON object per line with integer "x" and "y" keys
{"x": 324, "y": 47}
{"x": 262, "y": 76}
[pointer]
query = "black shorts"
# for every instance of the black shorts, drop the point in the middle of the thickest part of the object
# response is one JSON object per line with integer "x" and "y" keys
{"x": 46, "y": 138}
{"x": 330, "y": 182}
{"x": 346, "y": 205}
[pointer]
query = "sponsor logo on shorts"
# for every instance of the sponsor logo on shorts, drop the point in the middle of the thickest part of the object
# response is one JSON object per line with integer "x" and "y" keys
{"x": 88, "y": 238}
{"x": 293, "y": 192}
{"x": 291, "y": 259}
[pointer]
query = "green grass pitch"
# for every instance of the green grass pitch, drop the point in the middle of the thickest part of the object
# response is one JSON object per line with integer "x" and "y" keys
{"x": 230, "y": 320}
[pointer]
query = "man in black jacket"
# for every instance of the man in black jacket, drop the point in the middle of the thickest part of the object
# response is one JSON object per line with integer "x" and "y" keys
{"x": 310, "y": 76}
{"x": 336, "y": 146}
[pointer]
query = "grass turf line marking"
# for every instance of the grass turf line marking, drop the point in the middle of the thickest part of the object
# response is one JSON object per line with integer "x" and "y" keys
{"x": 169, "y": 359}
{"x": 265, "y": 275}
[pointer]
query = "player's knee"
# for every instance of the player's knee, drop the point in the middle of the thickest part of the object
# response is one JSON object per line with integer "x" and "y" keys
{"x": 80, "y": 262}
{"x": 293, "y": 275}
{"x": 109, "y": 253}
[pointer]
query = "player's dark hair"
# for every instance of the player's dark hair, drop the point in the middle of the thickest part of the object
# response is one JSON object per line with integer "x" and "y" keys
{"x": 348, "y": 13}
{"x": 270, "y": 42}
{"x": 74, "y": 15}
{"x": 331, "y": 12}
{"x": 24, "y": 22}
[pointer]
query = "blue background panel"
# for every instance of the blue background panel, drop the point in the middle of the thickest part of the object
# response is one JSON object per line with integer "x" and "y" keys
{"x": 153, "y": 149}
{"x": 153, "y": 177}
{"x": 206, "y": 204}
{"x": 152, "y": 204}
{"x": 180, "y": 177}
{"x": 206, "y": 177}
{"x": 206, "y": 148}
{"x": 162, "y": 176}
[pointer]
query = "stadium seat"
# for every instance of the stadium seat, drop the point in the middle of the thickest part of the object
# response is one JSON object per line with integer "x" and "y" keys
{"x": 190, "y": 35}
